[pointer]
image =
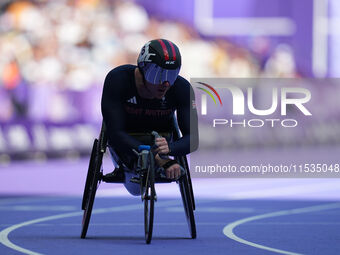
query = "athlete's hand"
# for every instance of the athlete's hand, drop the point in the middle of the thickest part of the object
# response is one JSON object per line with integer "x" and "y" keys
{"x": 173, "y": 172}
{"x": 162, "y": 146}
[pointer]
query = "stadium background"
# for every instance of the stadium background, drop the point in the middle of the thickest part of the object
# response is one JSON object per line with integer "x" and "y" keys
{"x": 55, "y": 55}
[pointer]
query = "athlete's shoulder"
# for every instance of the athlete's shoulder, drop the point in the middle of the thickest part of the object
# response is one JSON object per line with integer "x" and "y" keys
{"x": 181, "y": 84}
{"x": 120, "y": 81}
{"x": 182, "y": 81}
{"x": 122, "y": 71}
{"x": 180, "y": 92}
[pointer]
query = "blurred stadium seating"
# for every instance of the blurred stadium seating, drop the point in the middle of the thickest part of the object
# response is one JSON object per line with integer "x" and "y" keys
{"x": 55, "y": 55}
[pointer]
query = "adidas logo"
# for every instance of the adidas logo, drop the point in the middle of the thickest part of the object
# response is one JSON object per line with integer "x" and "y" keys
{"x": 132, "y": 100}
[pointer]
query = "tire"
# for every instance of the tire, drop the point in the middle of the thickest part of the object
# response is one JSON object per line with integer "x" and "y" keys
{"x": 149, "y": 200}
{"x": 188, "y": 205}
{"x": 92, "y": 188}
{"x": 90, "y": 172}
{"x": 185, "y": 163}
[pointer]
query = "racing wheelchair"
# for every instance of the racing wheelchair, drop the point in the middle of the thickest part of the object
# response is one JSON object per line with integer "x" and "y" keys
{"x": 145, "y": 170}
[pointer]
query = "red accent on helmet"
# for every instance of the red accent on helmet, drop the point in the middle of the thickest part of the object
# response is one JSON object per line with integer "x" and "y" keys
{"x": 173, "y": 51}
{"x": 165, "y": 51}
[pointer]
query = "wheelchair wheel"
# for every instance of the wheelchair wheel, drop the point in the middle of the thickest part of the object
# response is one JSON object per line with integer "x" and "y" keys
{"x": 92, "y": 181}
{"x": 188, "y": 204}
{"x": 184, "y": 163}
{"x": 149, "y": 197}
{"x": 89, "y": 177}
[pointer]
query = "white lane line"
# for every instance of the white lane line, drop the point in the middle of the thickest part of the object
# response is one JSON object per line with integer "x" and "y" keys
{"x": 4, "y": 233}
{"x": 42, "y": 225}
{"x": 38, "y": 208}
{"x": 123, "y": 224}
{"x": 26, "y": 200}
{"x": 214, "y": 209}
{"x": 228, "y": 230}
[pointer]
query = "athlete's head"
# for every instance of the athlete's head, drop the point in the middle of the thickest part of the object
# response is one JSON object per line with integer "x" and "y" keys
{"x": 159, "y": 62}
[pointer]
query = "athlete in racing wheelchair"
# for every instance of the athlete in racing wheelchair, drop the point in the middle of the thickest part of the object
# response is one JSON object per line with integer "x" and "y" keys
{"x": 141, "y": 106}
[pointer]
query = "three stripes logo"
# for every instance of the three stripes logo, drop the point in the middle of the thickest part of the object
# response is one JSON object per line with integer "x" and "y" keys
{"x": 211, "y": 92}
{"x": 132, "y": 100}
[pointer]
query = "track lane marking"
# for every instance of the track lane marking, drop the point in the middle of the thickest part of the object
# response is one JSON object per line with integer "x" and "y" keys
{"x": 228, "y": 229}
{"x": 38, "y": 208}
{"x": 4, "y": 233}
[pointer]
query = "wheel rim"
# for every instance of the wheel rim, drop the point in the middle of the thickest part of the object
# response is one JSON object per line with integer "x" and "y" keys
{"x": 90, "y": 175}
{"x": 149, "y": 200}
{"x": 91, "y": 196}
{"x": 188, "y": 207}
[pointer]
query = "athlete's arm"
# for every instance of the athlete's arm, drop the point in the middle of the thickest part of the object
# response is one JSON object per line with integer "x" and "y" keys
{"x": 187, "y": 121}
{"x": 113, "y": 113}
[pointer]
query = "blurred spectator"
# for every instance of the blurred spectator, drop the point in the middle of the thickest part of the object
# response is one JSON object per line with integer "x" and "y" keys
{"x": 55, "y": 55}
{"x": 281, "y": 64}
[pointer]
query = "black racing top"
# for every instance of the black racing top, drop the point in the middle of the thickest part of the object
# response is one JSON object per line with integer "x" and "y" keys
{"x": 124, "y": 112}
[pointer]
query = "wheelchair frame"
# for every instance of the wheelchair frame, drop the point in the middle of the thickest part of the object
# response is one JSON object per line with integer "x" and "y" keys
{"x": 147, "y": 178}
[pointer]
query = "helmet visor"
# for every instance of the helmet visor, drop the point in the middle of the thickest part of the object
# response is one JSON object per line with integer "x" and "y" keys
{"x": 156, "y": 75}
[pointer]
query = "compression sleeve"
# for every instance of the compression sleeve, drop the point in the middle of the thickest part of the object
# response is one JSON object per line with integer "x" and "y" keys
{"x": 187, "y": 122}
{"x": 113, "y": 113}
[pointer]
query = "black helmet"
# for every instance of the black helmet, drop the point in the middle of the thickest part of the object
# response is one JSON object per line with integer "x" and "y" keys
{"x": 159, "y": 61}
